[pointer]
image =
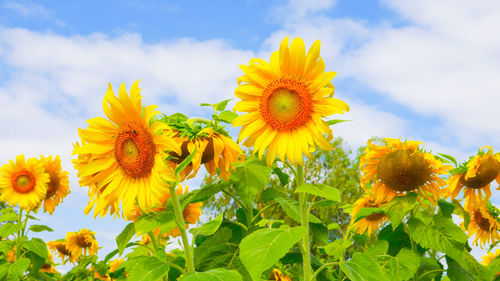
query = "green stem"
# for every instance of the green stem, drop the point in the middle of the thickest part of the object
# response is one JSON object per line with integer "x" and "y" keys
{"x": 239, "y": 224}
{"x": 176, "y": 267}
{"x": 153, "y": 240}
{"x": 234, "y": 197}
{"x": 304, "y": 218}
{"x": 18, "y": 244}
{"x": 181, "y": 224}
{"x": 318, "y": 271}
{"x": 262, "y": 210}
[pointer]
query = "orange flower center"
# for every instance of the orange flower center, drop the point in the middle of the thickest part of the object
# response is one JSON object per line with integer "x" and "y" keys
{"x": 23, "y": 181}
{"x": 135, "y": 150}
{"x": 53, "y": 186}
{"x": 403, "y": 170}
{"x": 481, "y": 221}
{"x": 486, "y": 172}
{"x": 286, "y": 104}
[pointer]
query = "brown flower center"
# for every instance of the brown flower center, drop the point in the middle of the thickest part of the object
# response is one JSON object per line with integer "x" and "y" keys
{"x": 23, "y": 181}
{"x": 376, "y": 216}
{"x": 207, "y": 156}
{"x": 61, "y": 248}
{"x": 54, "y": 184}
{"x": 481, "y": 221}
{"x": 82, "y": 242}
{"x": 403, "y": 170}
{"x": 286, "y": 104}
{"x": 135, "y": 150}
{"x": 486, "y": 172}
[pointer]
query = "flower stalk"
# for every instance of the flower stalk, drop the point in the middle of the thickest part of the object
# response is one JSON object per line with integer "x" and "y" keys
{"x": 304, "y": 218}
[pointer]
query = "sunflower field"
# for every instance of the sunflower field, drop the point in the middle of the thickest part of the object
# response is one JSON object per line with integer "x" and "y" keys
{"x": 273, "y": 216}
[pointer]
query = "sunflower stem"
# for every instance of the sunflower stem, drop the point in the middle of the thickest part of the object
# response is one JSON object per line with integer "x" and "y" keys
{"x": 304, "y": 218}
{"x": 19, "y": 221}
{"x": 182, "y": 228}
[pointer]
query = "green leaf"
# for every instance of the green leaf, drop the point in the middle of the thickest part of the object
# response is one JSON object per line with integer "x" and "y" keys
{"x": 459, "y": 210}
{"x": 14, "y": 271}
{"x": 397, "y": 209}
{"x": 363, "y": 213}
{"x": 222, "y": 105}
{"x": 333, "y": 226}
{"x": 217, "y": 274}
{"x": 216, "y": 251}
{"x": 291, "y": 208}
{"x": 149, "y": 268}
{"x": 124, "y": 237}
{"x": 378, "y": 249}
{"x": 263, "y": 248}
{"x": 210, "y": 227}
{"x": 40, "y": 228}
{"x": 270, "y": 193}
{"x": 403, "y": 266}
{"x": 337, "y": 248}
{"x": 8, "y": 215}
{"x": 362, "y": 268}
{"x": 446, "y": 208}
{"x": 449, "y": 157}
{"x": 205, "y": 104}
{"x": 37, "y": 246}
{"x": 250, "y": 179}
{"x": 185, "y": 162}
{"x": 208, "y": 191}
{"x": 227, "y": 116}
{"x": 430, "y": 269}
{"x": 321, "y": 190}
{"x": 283, "y": 177}
{"x": 335, "y": 121}
{"x": 9, "y": 229}
{"x": 457, "y": 273}
{"x": 147, "y": 222}
{"x": 397, "y": 238}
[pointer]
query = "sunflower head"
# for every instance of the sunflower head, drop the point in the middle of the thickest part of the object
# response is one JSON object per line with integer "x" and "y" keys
{"x": 48, "y": 266}
{"x": 11, "y": 255}
{"x": 276, "y": 275}
{"x": 82, "y": 242}
{"x": 23, "y": 183}
{"x": 489, "y": 257}
{"x": 484, "y": 225}
{"x": 285, "y": 101}
{"x": 62, "y": 250}
{"x": 114, "y": 264}
{"x": 369, "y": 223}
{"x": 58, "y": 186}
{"x": 397, "y": 168}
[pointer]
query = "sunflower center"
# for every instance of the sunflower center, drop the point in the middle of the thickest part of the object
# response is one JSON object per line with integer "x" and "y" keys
{"x": 82, "y": 242}
{"x": 481, "y": 221}
{"x": 53, "y": 186}
{"x": 286, "y": 104}
{"x": 486, "y": 172}
{"x": 135, "y": 150}
{"x": 63, "y": 250}
{"x": 207, "y": 156}
{"x": 376, "y": 216}
{"x": 403, "y": 170}
{"x": 23, "y": 182}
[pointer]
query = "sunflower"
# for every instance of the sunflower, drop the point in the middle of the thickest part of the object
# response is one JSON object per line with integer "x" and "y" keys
{"x": 213, "y": 149}
{"x": 278, "y": 276}
{"x": 49, "y": 267}
{"x": 475, "y": 177}
{"x": 122, "y": 159}
{"x": 369, "y": 223}
{"x": 61, "y": 249}
{"x": 114, "y": 264}
{"x": 23, "y": 182}
{"x": 484, "y": 226}
{"x": 489, "y": 257}
{"x": 11, "y": 255}
{"x": 58, "y": 186}
{"x": 397, "y": 168}
{"x": 82, "y": 243}
{"x": 286, "y": 100}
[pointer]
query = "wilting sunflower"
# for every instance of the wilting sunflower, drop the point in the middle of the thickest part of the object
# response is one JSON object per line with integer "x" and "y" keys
{"x": 122, "y": 159}
{"x": 369, "y": 223}
{"x": 475, "y": 177}
{"x": 23, "y": 182}
{"x": 49, "y": 267}
{"x": 278, "y": 276}
{"x": 286, "y": 100}
{"x": 61, "y": 249}
{"x": 82, "y": 243}
{"x": 213, "y": 149}
{"x": 397, "y": 168}
{"x": 58, "y": 186}
{"x": 484, "y": 225}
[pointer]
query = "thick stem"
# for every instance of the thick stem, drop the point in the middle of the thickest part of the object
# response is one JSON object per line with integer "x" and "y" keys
{"x": 181, "y": 224}
{"x": 304, "y": 219}
{"x": 18, "y": 242}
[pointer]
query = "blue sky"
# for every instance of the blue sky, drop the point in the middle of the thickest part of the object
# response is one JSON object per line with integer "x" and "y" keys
{"x": 424, "y": 70}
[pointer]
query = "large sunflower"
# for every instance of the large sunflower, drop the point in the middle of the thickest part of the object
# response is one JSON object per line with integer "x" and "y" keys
{"x": 23, "y": 182}
{"x": 286, "y": 100}
{"x": 82, "y": 242}
{"x": 122, "y": 159}
{"x": 58, "y": 186}
{"x": 369, "y": 223}
{"x": 61, "y": 249}
{"x": 484, "y": 225}
{"x": 397, "y": 168}
{"x": 475, "y": 177}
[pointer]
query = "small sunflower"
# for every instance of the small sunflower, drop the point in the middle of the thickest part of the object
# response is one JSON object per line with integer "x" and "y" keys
{"x": 98, "y": 276}
{"x": 11, "y": 255}
{"x": 285, "y": 101}
{"x": 369, "y": 223}
{"x": 484, "y": 226}
{"x": 58, "y": 186}
{"x": 397, "y": 168}
{"x": 122, "y": 159}
{"x": 82, "y": 242}
{"x": 23, "y": 182}
{"x": 61, "y": 249}
{"x": 114, "y": 264}
{"x": 276, "y": 275}
{"x": 475, "y": 177}
{"x": 489, "y": 257}
{"x": 49, "y": 267}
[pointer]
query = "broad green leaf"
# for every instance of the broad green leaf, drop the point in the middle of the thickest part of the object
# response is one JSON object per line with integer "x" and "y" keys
{"x": 362, "y": 268}
{"x": 222, "y": 105}
{"x": 270, "y": 193}
{"x": 337, "y": 248}
{"x": 494, "y": 266}
{"x": 217, "y": 250}
{"x": 14, "y": 271}
{"x": 429, "y": 270}
{"x": 37, "y": 246}
{"x": 397, "y": 238}
{"x": 227, "y": 116}
{"x": 185, "y": 162}
{"x": 378, "y": 249}
{"x": 333, "y": 226}
{"x": 9, "y": 215}
{"x": 403, "y": 266}
{"x": 210, "y": 227}
{"x": 291, "y": 208}
{"x": 283, "y": 177}
{"x": 459, "y": 210}
{"x": 263, "y": 248}
{"x": 363, "y": 213}
{"x": 321, "y": 190}
{"x": 250, "y": 179}
{"x": 208, "y": 191}
{"x": 40, "y": 228}
{"x": 397, "y": 209}
{"x": 457, "y": 273}
{"x": 9, "y": 229}
{"x": 446, "y": 208}
{"x": 147, "y": 222}
{"x": 149, "y": 268}
{"x": 124, "y": 237}
{"x": 217, "y": 274}
{"x": 471, "y": 266}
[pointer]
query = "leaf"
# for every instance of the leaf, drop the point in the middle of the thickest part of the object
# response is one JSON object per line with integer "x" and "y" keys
{"x": 446, "y": 208}
{"x": 185, "y": 162}
{"x": 37, "y": 246}
{"x": 459, "y": 210}
{"x": 222, "y": 105}
{"x": 40, "y": 228}
{"x": 337, "y": 248}
{"x": 149, "y": 221}
{"x": 362, "y": 268}
{"x": 335, "y": 121}
{"x": 283, "y": 177}
{"x": 205, "y": 104}
{"x": 227, "y": 116}
{"x": 269, "y": 194}
{"x": 15, "y": 270}
{"x": 210, "y": 227}
{"x": 291, "y": 208}
{"x": 363, "y": 213}
{"x": 149, "y": 268}
{"x": 403, "y": 266}
{"x": 449, "y": 157}
{"x": 208, "y": 191}
{"x": 216, "y": 251}
{"x": 9, "y": 215}
{"x": 124, "y": 237}
{"x": 397, "y": 238}
{"x": 397, "y": 209}
{"x": 250, "y": 179}
{"x": 321, "y": 190}
{"x": 427, "y": 265}
{"x": 263, "y": 248}
{"x": 217, "y": 274}
{"x": 9, "y": 229}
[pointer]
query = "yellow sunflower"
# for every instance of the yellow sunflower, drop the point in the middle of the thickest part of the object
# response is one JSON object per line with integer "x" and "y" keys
{"x": 213, "y": 149}
{"x": 11, "y": 255}
{"x": 23, "y": 182}
{"x": 286, "y": 100}
{"x": 122, "y": 159}
{"x": 61, "y": 249}
{"x": 475, "y": 177}
{"x": 398, "y": 168}
{"x": 489, "y": 257}
{"x": 82, "y": 242}
{"x": 114, "y": 264}
{"x": 49, "y": 267}
{"x": 278, "y": 276}
{"x": 58, "y": 186}
{"x": 484, "y": 226}
{"x": 369, "y": 223}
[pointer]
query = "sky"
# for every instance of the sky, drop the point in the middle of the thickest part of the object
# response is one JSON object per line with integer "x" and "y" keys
{"x": 423, "y": 70}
